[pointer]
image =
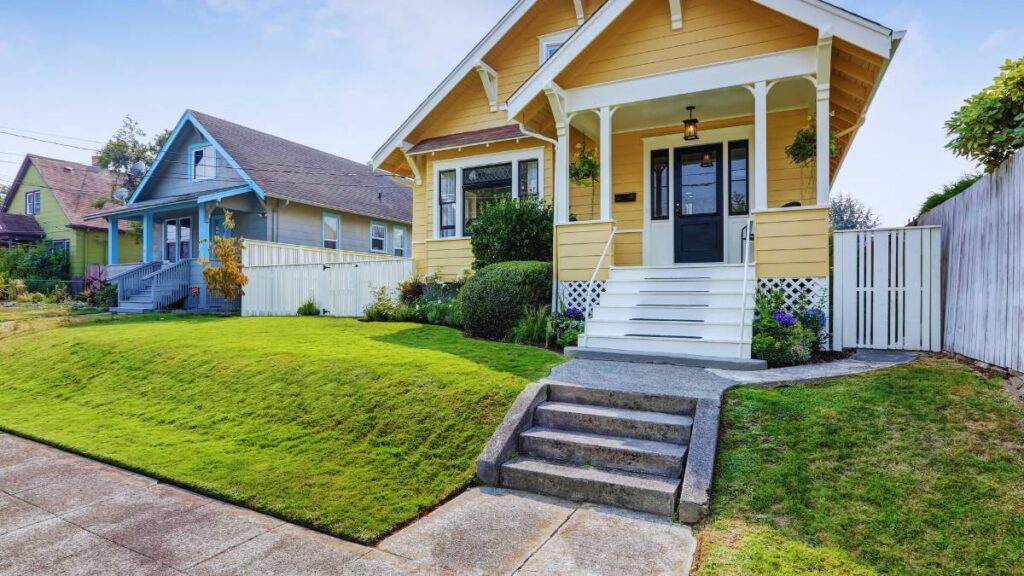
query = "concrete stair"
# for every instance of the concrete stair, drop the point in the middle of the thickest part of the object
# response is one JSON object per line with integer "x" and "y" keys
{"x": 136, "y": 303}
{"x": 613, "y": 447}
{"x": 698, "y": 310}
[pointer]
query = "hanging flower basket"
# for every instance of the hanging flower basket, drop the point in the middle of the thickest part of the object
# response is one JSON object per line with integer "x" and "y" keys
{"x": 584, "y": 170}
{"x": 804, "y": 149}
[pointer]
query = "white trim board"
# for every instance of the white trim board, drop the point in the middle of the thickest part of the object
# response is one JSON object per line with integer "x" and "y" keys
{"x": 467, "y": 65}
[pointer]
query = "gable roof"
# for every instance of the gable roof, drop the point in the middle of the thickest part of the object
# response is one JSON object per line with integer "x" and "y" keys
{"x": 283, "y": 169}
{"x": 74, "y": 186}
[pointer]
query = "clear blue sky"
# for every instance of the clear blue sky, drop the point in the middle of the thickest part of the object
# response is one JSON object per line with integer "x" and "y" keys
{"x": 340, "y": 75}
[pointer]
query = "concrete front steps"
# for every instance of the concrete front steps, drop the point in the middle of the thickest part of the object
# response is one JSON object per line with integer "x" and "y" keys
{"x": 694, "y": 310}
{"x": 625, "y": 449}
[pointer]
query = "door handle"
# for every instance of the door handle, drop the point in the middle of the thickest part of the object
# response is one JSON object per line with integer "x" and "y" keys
{"x": 679, "y": 209}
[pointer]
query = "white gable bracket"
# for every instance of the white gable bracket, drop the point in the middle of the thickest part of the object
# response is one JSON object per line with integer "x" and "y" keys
{"x": 675, "y": 7}
{"x": 414, "y": 165}
{"x": 582, "y": 38}
{"x": 580, "y": 14}
{"x": 556, "y": 99}
{"x": 490, "y": 81}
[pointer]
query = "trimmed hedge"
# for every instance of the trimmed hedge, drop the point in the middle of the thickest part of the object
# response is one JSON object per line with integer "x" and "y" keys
{"x": 513, "y": 230}
{"x": 496, "y": 297}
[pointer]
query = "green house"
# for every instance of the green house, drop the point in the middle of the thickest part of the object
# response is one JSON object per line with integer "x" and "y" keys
{"x": 58, "y": 194}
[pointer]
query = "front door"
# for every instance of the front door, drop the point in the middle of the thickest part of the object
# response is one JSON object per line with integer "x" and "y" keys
{"x": 698, "y": 204}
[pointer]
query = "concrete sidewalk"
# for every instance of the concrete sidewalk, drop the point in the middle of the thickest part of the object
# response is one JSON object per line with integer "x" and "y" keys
{"x": 64, "y": 514}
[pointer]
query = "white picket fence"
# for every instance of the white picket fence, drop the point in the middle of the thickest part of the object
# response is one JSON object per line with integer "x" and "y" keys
{"x": 339, "y": 289}
{"x": 886, "y": 292}
{"x": 983, "y": 251}
{"x": 261, "y": 253}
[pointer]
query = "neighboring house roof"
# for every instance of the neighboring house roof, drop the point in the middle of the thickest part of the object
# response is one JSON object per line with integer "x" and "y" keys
{"x": 499, "y": 134}
{"x": 279, "y": 168}
{"x": 19, "y": 228}
{"x": 76, "y": 187}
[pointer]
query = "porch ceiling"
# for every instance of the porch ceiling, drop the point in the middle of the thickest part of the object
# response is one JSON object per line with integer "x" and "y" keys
{"x": 730, "y": 102}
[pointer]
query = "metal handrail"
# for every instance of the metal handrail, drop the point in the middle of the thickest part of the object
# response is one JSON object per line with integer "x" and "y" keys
{"x": 745, "y": 255}
{"x": 593, "y": 277}
{"x": 170, "y": 284}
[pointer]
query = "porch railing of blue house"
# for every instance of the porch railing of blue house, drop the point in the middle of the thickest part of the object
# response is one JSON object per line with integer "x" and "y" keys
{"x": 133, "y": 280}
{"x": 170, "y": 284}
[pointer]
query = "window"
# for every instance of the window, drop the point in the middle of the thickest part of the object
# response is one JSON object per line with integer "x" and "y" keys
{"x": 398, "y": 240}
{"x": 32, "y": 202}
{"x": 739, "y": 189}
{"x": 178, "y": 239}
{"x": 204, "y": 162}
{"x": 529, "y": 179}
{"x": 481, "y": 186}
{"x": 465, "y": 187}
{"x": 550, "y": 43}
{"x": 378, "y": 236}
{"x": 62, "y": 246}
{"x": 446, "y": 201}
{"x": 331, "y": 231}
{"x": 659, "y": 185}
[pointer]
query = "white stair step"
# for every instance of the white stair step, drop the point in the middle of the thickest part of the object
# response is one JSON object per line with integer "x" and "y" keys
{"x": 660, "y": 298}
{"x": 702, "y": 330}
{"x": 669, "y": 285}
{"x": 705, "y": 313}
{"x": 714, "y": 271}
{"x": 721, "y": 348}
{"x": 610, "y": 452}
{"x": 642, "y": 492}
{"x": 609, "y": 421}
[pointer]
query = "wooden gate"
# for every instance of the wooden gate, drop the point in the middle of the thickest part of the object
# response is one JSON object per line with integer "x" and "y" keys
{"x": 886, "y": 289}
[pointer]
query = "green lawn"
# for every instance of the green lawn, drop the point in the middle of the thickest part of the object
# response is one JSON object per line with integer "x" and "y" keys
{"x": 348, "y": 427}
{"x": 14, "y": 312}
{"x": 913, "y": 470}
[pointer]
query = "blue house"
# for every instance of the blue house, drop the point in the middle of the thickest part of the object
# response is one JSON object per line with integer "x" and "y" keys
{"x": 277, "y": 191}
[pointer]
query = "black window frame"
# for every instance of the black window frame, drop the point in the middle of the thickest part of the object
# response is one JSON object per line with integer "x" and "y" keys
{"x": 665, "y": 187}
{"x": 454, "y": 227}
{"x": 737, "y": 145}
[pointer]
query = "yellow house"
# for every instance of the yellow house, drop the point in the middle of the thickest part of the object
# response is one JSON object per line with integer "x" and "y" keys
{"x": 688, "y": 106}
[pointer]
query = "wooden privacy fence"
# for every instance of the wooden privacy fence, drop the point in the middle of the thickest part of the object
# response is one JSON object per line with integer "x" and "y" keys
{"x": 339, "y": 289}
{"x": 260, "y": 253}
{"x": 886, "y": 289}
{"x": 983, "y": 254}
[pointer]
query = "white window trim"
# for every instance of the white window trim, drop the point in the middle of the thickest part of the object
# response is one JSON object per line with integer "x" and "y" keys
{"x": 192, "y": 166}
{"x": 546, "y": 40}
{"x": 323, "y": 229}
{"x": 33, "y": 208}
{"x": 458, "y": 164}
{"x": 405, "y": 240}
{"x": 383, "y": 250}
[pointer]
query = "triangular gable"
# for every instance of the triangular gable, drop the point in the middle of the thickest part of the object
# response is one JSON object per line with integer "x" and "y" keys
{"x": 824, "y": 17}
{"x": 174, "y": 141}
{"x": 16, "y": 183}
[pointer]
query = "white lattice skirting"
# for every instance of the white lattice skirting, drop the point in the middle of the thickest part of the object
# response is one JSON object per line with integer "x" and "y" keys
{"x": 573, "y": 294}
{"x": 814, "y": 291}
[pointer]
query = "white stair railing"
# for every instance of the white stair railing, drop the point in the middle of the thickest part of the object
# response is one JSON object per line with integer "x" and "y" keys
{"x": 597, "y": 269}
{"x": 746, "y": 277}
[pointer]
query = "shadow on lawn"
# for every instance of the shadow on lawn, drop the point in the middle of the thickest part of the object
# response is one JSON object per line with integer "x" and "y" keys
{"x": 523, "y": 361}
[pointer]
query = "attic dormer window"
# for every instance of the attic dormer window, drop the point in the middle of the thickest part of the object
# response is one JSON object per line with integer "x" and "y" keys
{"x": 550, "y": 43}
{"x": 204, "y": 162}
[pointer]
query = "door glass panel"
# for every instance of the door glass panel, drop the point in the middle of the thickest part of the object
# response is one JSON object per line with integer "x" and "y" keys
{"x": 171, "y": 240}
{"x": 699, "y": 183}
{"x": 185, "y": 238}
{"x": 659, "y": 185}
{"x": 738, "y": 188}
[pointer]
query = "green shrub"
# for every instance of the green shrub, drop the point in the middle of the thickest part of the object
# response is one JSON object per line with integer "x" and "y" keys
{"x": 949, "y": 191}
{"x": 532, "y": 327}
{"x": 406, "y": 312}
{"x": 989, "y": 127}
{"x": 492, "y": 301}
{"x": 411, "y": 290}
{"x": 512, "y": 230}
{"x": 381, "y": 308}
{"x": 106, "y": 297}
{"x": 442, "y": 313}
{"x": 565, "y": 327}
{"x": 782, "y": 338}
{"x": 35, "y": 263}
{"x": 309, "y": 308}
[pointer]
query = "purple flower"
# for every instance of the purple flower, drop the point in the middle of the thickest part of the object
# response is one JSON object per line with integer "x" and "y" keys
{"x": 574, "y": 313}
{"x": 784, "y": 320}
{"x": 814, "y": 317}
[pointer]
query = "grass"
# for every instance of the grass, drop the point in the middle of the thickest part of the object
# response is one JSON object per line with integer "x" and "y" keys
{"x": 15, "y": 312}
{"x": 912, "y": 470}
{"x": 347, "y": 427}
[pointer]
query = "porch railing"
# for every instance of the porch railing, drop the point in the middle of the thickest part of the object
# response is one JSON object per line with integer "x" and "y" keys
{"x": 170, "y": 284}
{"x": 133, "y": 280}
{"x": 745, "y": 249}
{"x": 597, "y": 269}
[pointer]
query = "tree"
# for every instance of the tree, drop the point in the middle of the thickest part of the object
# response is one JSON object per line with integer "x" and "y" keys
{"x": 848, "y": 213}
{"x": 127, "y": 147}
{"x": 3, "y": 191}
{"x": 989, "y": 127}
{"x": 228, "y": 279}
{"x": 948, "y": 191}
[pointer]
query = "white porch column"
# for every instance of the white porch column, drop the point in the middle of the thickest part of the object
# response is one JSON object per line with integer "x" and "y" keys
{"x": 112, "y": 240}
{"x": 562, "y": 174}
{"x": 823, "y": 156}
{"x": 606, "y": 113}
{"x": 760, "y": 90}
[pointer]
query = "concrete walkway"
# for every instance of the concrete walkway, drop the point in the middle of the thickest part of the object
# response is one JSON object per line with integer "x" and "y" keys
{"x": 64, "y": 514}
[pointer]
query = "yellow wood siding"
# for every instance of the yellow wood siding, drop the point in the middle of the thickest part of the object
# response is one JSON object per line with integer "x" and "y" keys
{"x": 578, "y": 248}
{"x": 788, "y": 182}
{"x": 641, "y": 41}
{"x": 792, "y": 243}
{"x": 424, "y": 203}
{"x": 449, "y": 258}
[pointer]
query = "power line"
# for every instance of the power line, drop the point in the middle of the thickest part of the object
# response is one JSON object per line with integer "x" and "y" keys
{"x": 50, "y": 134}
{"x": 47, "y": 141}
